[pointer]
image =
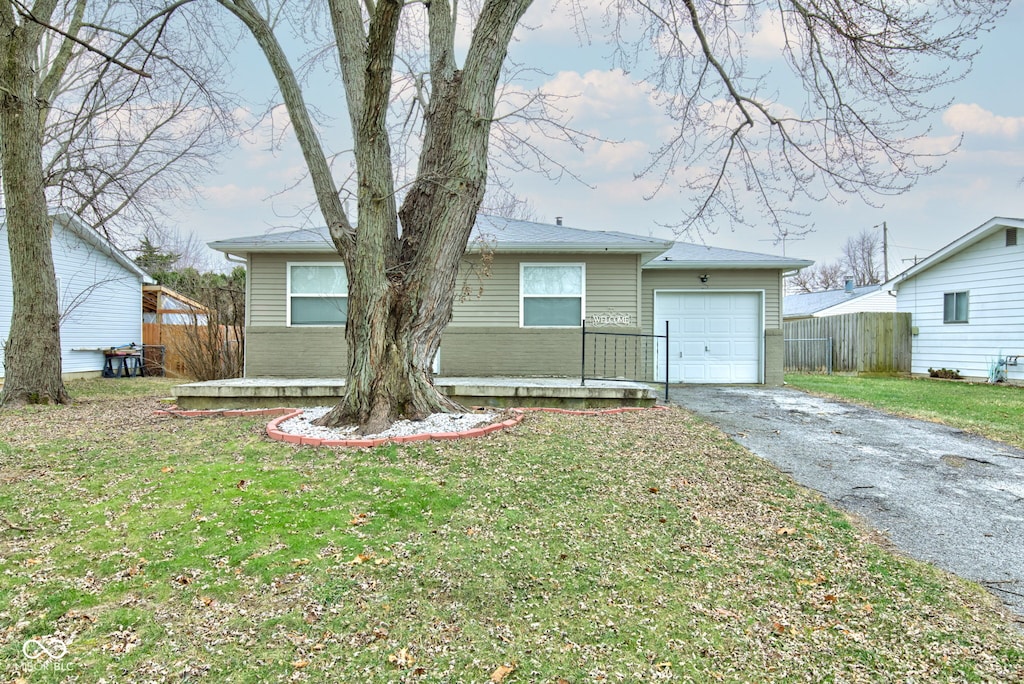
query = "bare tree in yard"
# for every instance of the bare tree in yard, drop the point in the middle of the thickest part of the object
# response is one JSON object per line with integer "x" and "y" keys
{"x": 864, "y": 68}
{"x": 84, "y": 127}
{"x": 862, "y": 256}
{"x": 827, "y": 275}
{"x": 860, "y": 260}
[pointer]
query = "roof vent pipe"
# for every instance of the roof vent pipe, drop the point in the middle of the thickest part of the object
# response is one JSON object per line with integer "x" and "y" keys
{"x": 848, "y": 284}
{"x": 558, "y": 220}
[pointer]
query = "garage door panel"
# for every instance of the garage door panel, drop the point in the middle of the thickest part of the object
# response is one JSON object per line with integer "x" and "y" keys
{"x": 720, "y": 326}
{"x": 693, "y": 348}
{"x": 744, "y": 348}
{"x": 693, "y": 326}
{"x": 720, "y": 348}
{"x": 699, "y": 373}
{"x": 747, "y": 326}
{"x": 715, "y": 337}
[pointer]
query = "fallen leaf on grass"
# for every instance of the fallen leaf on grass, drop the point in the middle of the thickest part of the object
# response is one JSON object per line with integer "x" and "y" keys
{"x": 242, "y": 484}
{"x": 33, "y": 561}
{"x": 299, "y": 562}
{"x": 167, "y": 469}
{"x": 75, "y": 615}
{"x": 786, "y": 531}
{"x": 360, "y": 519}
{"x": 501, "y": 672}
{"x": 818, "y": 579}
{"x": 402, "y": 658}
{"x": 299, "y": 664}
{"x": 778, "y": 628}
{"x": 361, "y": 558}
{"x": 653, "y": 490}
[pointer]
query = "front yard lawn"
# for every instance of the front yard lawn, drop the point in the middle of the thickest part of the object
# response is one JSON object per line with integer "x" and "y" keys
{"x": 993, "y": 411}
{"x": 634, "y": 547}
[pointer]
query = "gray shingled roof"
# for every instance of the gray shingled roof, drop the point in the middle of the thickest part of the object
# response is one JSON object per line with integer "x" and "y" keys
{"x": 809, "y": 303}
{"x": 689, "y": 255}
{"x": 498, "y": 233}
{"x": 513, "y": 235}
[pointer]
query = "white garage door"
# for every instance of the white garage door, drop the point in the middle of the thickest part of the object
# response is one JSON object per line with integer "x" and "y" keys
{"x": 714, "y": 337}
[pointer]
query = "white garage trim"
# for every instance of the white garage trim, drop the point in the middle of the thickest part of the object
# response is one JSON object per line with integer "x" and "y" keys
{"x": 709, "y": 348}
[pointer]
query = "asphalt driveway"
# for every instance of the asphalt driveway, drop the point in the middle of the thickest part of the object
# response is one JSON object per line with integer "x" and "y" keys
{"x": 939, "y": 494}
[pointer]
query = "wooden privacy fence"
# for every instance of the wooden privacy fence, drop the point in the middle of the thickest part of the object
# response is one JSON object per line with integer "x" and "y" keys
{"x": 867, "y": 342}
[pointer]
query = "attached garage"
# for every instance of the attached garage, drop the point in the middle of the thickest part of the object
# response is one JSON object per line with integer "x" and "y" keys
{"x": 714, "y": 337}
{"x": 724, "y": 313}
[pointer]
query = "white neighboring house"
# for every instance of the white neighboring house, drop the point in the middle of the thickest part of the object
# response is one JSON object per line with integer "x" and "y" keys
{"x": 99, "y": 292}
{"x": 967, "y": 303}
{"x": 836, "y": 302}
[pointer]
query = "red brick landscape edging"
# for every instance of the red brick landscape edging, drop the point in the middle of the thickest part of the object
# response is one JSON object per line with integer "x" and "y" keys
{"x": 283, "y": 414}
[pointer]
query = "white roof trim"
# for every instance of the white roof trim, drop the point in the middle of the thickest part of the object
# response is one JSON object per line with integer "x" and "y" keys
{"x": 983, "y": 231}
{"x": 87, "y": 233}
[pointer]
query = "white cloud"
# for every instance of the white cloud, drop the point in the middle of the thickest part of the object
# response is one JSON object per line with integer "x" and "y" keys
{"x": 622, "y": 157}
{"x": 973, "y": 118}
{"x": 232, "y": 195}
{"x": 601, "y": 95}
{"x": 561, "y": 21}
{"x": 768, "y": 38}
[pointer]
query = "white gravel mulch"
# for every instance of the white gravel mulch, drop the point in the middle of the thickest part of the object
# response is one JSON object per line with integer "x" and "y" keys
{"x": 437, "y": 422}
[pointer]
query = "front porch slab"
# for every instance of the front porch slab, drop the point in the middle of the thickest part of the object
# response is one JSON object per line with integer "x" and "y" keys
{"x": 498, "y": 392}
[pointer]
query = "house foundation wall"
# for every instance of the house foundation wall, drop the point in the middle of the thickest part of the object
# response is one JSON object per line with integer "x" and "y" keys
{"x": 283, "y": 352}
{"x": 273, "y": 352}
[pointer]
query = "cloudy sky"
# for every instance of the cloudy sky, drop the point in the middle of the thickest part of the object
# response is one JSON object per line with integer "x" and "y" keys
{"x": 256, "y": 189}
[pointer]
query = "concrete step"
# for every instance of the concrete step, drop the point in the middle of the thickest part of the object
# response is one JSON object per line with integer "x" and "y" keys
{"x": 502, "y": 392}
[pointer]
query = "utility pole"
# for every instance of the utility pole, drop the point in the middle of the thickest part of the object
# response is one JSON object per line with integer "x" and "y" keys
{"x": 885, "y": 250}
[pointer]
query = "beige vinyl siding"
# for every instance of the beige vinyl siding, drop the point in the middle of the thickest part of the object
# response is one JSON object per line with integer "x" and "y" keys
{"x": 493, "y": 299}
{"x": 484, "y": 337}
{"x": 269, "y": 273}
{"x": 481, "y": 299}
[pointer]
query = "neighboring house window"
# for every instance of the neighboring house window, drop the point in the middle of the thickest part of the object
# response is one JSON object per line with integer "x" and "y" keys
{"x": 551, "y": 295}
{"x": 954, "y": 307}
{"x": 317, "y": 294}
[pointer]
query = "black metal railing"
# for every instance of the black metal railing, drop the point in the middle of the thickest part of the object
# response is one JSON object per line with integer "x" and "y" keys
{"x": 622, "y": 357}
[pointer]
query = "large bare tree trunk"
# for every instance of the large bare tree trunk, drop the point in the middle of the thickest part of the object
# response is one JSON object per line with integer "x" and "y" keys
{"x": 402, "y": 284}
{"x": 401, "y": 281}
{"x": 32, "y": 364}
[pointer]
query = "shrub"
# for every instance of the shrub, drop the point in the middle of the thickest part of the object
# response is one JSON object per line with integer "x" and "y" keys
{"x": 945, "y": 373}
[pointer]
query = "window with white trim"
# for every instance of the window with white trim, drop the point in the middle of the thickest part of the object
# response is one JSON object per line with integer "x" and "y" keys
{"x": 551, "y": 295}
{"x": 954, "y": 307}
{"x": 317, "y": 294}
